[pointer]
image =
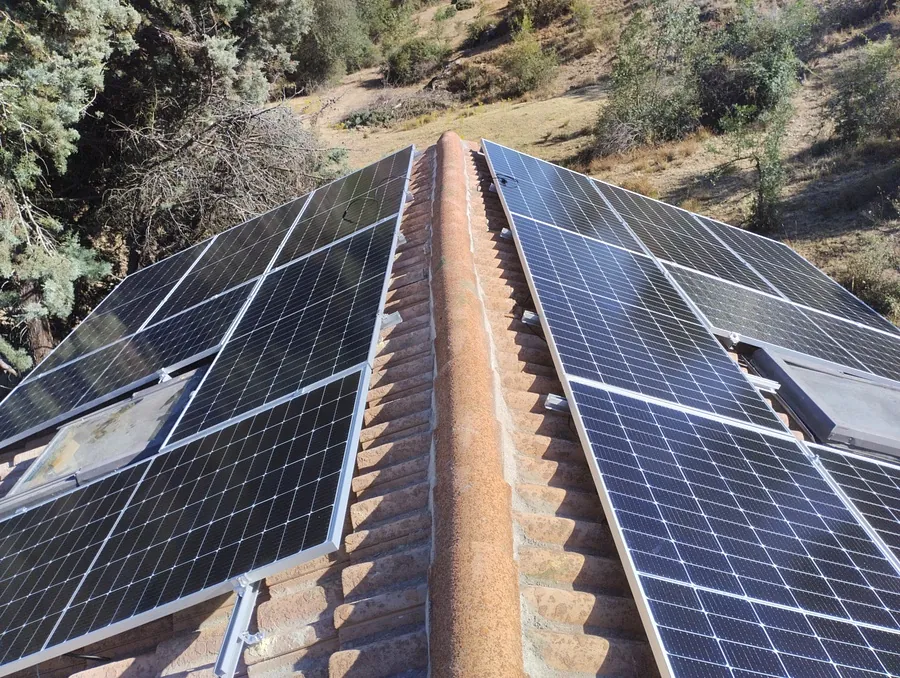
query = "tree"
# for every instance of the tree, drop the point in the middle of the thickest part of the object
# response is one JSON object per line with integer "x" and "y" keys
{"x": 54, "y": 55}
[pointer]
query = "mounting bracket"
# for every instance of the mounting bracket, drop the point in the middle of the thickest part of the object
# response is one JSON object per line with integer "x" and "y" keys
{"x": 237, "y": 635}
{"x": 556, "y": 403}
{"x": 390, "y": 319}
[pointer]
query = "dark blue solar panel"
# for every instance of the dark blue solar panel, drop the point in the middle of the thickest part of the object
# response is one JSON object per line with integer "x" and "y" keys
{"x": 44, "y": 553}
{"x": 615, "y": 318}
{"x": 309, "y": 321}
{"x": 675, "y": 235}
{"x": 796, "y": 278}
{"x": 774, "y": 321}
{"x": 537, "y": 189}
{"x": 874, "y": 489}
{"x": 128, "y": 363}
{"x": 259, "y": 491}
{"x": 742, "y": 528}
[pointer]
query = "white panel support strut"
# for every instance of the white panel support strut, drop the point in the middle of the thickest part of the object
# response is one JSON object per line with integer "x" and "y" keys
{"x": 237, "y": 635}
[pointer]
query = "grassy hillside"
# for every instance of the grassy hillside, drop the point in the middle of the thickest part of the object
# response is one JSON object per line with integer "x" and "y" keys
{"x": 839, "y": 204}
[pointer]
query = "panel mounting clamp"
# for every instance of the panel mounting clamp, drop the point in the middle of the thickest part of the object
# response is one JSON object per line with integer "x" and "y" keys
{"x": 237, "y": 634}
{"x": 388, "y": 320}
{"x": 556, "y": 403}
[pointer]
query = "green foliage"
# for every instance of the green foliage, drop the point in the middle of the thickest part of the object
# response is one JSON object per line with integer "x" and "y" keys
{"x": 867, "y": 98}
{"x": 755, "y": 61}
{"x": 674, "y": 73}
{"x": 540, "y": 12}
{"x": 464, "y": 4}
{"x": 53, "y": 65}
{"x": 482, "y": 28}
{"x": 873, "y": 274}
{"x": 654, "y": 93}
{"x": 583, "y": 14}
{"x": 526, "y": 65}
{"x": 759, "y": 139}
{"x": 415, "y": 60}
{"x": 445, "y": 13}
{"x": 336, "y": 42}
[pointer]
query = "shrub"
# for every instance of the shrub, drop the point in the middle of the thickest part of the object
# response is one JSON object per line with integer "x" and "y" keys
{"x": 541, "y": 12}
{"x": 481, "y": 29}
{"x": 583, "y": 14}
{"x": 871, "y": 273}
{"x": 867, "y": 98}
{"x": 525, "y": 64}
{"x": 464, "y": 4}
{"x": 653, "y": 96}
{"x": 754, "y": 62}
{"x": 446, "y": 13}
{"x": 758, "y": 139}
{"x": 414, "y": 60}
{"x": 475, "y": 80}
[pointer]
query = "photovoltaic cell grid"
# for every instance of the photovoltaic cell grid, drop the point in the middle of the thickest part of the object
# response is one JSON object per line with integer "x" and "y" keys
{"x": 764, "y": 318}
{"x": 45, "y": 552}
{"x": 350, "y": 204}
{"x": 541, "y": 191}
{"x": 675, "y": 235}
{"x": 259, "y": 491}
{"x": 796, "y": 278}
{"x": 234, "y": 257}
{"x": 616, "y": 319}
{"x": 310, "y": 320}
{"x": 874, "y": 489}
{"x": 123, "y": 311}
{"x": 91, "y": 379}
{"x": 747, "y": 559}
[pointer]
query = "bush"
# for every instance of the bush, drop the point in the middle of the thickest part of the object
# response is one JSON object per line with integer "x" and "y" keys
{"x": 654, "y": 95}
{"x": 867, "y": 100}
{"x": 754, "y": 62}
{"x": 446, "y": 13}
{"x": 871, "y": 273}
{"x": 541, "y": 12}
{"x": 525, "y": 64}
{"x": 476, "y": 80}
{"x": 464, "y": 4}
{"x": 415, "y": 60}
{"x": 481, "y": 29}
{"x": 583, "y": 14}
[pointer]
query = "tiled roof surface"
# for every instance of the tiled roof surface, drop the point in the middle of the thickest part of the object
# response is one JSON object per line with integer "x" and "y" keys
{"x": 364, "y": 611}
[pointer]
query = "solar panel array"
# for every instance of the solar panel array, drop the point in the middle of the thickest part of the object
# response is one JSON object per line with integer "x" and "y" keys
{"x": 774, "y": 321}
{"x": 873, "y": 487}
{"x": 255, "y": 475}
{"x": 744, "y": 559}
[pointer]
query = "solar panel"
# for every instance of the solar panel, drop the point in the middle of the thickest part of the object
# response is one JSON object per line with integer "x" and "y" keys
{"x": 747, "y": 559}
{"x": 128, "y": 306}
{"x": 250, "y": 499}
{"x": 310, "y": 320}
{"x": 771, "y": 320}
{"x": 674, "y": 235}
{"x": 872, "y": 486}
{"x": 549, "y": 194}
{"x": 795, "y": 277}
{"x": 234, "y": 257}
{"x": 350, "y": 204}
{"x": 87, "y": 381}
{"x": 45, "y": 552}
{"x": 616, "y": 319}
{"x": 258, "y": 492}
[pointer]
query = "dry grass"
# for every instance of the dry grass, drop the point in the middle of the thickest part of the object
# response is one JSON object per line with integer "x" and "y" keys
{"x": 642, "y": 185}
